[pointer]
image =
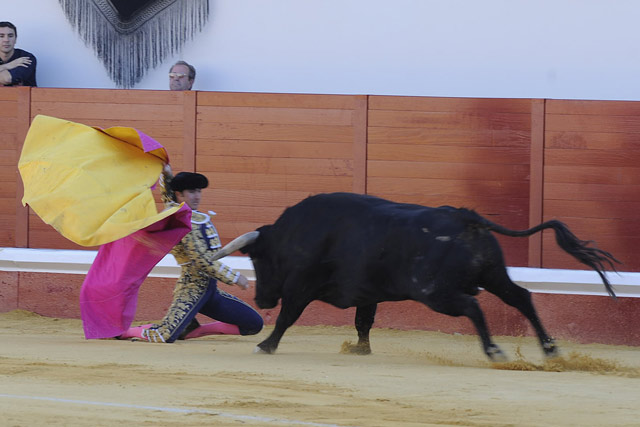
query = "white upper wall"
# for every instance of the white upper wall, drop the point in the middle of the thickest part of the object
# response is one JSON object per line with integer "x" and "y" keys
{"x": 568, "y": 49}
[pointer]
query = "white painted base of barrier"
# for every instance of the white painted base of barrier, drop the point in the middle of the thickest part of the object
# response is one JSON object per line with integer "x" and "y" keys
{"x": 541, "y": 280}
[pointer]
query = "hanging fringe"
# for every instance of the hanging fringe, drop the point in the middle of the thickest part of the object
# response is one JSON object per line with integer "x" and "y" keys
{"x": 129, "y": 49}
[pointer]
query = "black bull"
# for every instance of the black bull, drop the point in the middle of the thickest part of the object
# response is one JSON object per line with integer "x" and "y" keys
{"x": 355, "y": 250}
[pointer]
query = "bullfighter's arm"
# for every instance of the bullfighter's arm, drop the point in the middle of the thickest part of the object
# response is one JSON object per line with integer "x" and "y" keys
{"x": 200, "y": 257}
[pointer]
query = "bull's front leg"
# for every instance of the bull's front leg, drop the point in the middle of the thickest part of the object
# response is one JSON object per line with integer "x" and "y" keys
{"x": 290, "y": 311}
{"x": 365, "y": 315}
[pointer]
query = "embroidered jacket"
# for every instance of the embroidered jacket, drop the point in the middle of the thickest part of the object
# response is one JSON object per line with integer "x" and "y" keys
{"x": 196, "y": 249}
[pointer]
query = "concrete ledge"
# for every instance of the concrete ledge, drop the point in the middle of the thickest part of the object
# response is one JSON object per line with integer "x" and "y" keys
{"x": 78, "y": 262}
{"x": 538, "y": 280}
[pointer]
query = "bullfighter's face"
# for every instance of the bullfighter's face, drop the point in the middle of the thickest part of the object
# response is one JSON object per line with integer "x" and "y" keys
{"x": 190, "y": 197}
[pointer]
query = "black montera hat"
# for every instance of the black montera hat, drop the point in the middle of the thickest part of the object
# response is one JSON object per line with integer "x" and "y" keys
{"x": 188, "y": 181}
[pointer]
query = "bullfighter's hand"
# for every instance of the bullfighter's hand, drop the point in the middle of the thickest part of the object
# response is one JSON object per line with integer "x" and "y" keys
{"x": 243, "y": 282}
{"x": 167, "y": 169}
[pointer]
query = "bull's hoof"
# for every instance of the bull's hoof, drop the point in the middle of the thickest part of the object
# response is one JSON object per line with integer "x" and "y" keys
{"x": 264, "y": 349}
{"x": 349, "y": 348}
{"x": 550, "y": 349}
{"x": 496, "y": 355}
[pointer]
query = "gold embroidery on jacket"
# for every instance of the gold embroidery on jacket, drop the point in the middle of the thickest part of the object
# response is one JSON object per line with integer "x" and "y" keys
{"x": 194, "y": 254}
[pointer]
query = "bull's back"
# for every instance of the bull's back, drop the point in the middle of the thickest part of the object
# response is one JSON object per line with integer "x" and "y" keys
{"x": 363, "y": 248}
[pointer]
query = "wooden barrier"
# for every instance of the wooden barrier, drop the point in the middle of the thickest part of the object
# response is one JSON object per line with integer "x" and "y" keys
{"x": 460, "y": 152}
{"x": 516, "y": 161}
{"x": 592, "y": 176}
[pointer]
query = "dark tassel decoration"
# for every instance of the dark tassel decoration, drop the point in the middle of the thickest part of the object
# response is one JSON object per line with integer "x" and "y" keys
{"x": 129, "y": 44}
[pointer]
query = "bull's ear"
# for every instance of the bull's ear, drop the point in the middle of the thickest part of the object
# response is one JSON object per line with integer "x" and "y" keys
{"x": 237, "y": 244}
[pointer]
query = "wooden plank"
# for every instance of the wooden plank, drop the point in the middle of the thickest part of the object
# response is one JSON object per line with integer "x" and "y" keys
{"x": 228, "y": 99}
{"x": 51, "y": 239}
{"x": 613, "y": 210}
{"x": 592, "y": 123}
{"x": 485, "y": 205}
{"x": 598, "y": 228}
{"x": 360, "y": 124}
{"x": 7, "y": 141}
{"x": 257, "y": 198}
{"x": 595, "y": 192}
{"x": 108, "y": 96}
{"x": 580, "y": 174}
{"x": 282, "y": 149}
{"x": 9, "y": 94}
{"x": 299, "y": 116}
{"x": 8, "y": 123}
{"x": 10, "y": 189}
{"x": 189, "y": 131}
{"x": 8, "y": 176}
{"x": 157, "y": 129}
{"x": 275, "y": 132}
{"x": 596, "y": 108}
{"x": 536, "y": 181}
{"x": 330, "y": 167}
{"x": 591, "y": 140}
{"x": 7, "y": 236}
{"x": 446, "y": 170}
{"x": 8, "y": 108}
{"x": 231, "y": 213}
{"x": 22, "y": 128}
{"x": 107, "y": 111}
{"x": 273, "y": 181}
{"x": 9, "y": 157}
{"x": 230, "y": 230}
{"x": 486, "y": 155}
{"x": 449, "y": 120}
{"x": 580, "y": 158}
{"x": 7, "y": 206}
{"x": 420, "y": 103}
{"x": 458, "y": 137}
{"x": 513, "y": 189}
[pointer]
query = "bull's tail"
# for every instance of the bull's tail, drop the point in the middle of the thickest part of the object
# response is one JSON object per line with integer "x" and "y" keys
{"x": 595, "y": 258}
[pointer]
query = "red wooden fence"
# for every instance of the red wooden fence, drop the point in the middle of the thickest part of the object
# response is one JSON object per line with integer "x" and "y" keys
{"x": 516, "y": 161}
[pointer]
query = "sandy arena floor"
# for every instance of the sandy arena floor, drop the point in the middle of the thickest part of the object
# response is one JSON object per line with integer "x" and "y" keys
{"x": 50, "y": 375}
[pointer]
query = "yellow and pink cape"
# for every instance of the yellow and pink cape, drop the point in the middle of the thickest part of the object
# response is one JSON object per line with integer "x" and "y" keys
{"x": 94, "y": 186}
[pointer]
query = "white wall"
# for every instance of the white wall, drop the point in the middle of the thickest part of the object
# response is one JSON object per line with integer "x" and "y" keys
{"x": 573, "y": 49}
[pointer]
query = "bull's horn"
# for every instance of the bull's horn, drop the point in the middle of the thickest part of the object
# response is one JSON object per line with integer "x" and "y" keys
{"x": 236, "y": 244}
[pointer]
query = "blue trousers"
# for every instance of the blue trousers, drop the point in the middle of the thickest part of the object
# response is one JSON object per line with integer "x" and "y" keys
{"x": 218, "y": 305}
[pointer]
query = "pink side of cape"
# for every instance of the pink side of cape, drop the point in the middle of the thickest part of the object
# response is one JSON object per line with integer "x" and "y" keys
{"x": 148, "y": 143}
{"x": 109, "y": 293}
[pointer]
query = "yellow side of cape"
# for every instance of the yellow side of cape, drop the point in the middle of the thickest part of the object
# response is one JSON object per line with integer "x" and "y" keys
{"x": 93, "y": 186}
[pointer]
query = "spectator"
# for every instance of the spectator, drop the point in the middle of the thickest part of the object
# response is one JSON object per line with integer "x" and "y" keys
{"x": 17, "y": 66}
{"x": 181, "y": 76}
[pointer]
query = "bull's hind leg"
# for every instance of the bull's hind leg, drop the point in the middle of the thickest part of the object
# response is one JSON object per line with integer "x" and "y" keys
{"x": 466, "y": 305}
{"x": 365, "y": 316}
{"x": 501, "y": 286}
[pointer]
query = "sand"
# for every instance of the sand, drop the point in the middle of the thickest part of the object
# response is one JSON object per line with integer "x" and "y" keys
{"x": 50, "y": 375}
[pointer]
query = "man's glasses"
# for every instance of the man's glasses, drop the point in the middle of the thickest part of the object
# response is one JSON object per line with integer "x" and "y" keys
{"x": 177, "y": 75}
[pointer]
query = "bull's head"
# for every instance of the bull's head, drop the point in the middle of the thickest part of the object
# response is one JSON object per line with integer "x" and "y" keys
{"x": 268, "y": 288}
